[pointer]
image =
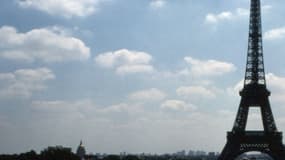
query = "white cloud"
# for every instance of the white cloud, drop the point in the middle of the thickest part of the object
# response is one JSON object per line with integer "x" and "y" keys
{"x": 64, "y": 8}
{"x": 24, "y": 82}
{"x": 266, "y": 8}
{"x": 226, "y": 15}
{"x": 195, "y": 91}
{"x": 277, "y": 33}
{"x": 177, "y": 105}
{"x": 208, "y": 67}
{"x": 40, "y": 44}
{"x": 152, "y": 94}
{"x": 276, "y": 84}
{"x": 275, "y": 81}
{"x": 242, "y": 12}
{"x": 124, "y": 108}
{"x": 125, "y": 61}
{"x": 214, "y": 18}
{"x": 140, "y": 68}
{"x": 231, "y": 15}
{"x": 234, "y": 90}
{"x": 156, "y": 4}
{"x": 123, "y": 56}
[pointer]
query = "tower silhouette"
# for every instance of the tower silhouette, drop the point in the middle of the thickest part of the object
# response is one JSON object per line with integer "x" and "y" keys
{"x": 254, "y": 94}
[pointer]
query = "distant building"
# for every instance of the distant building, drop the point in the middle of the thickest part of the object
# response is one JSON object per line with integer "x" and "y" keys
{"x": 180, "y": 154}
{"x": 211, "y": 154}
{"x": 81, "y": 151}
{"x": 191, "y": 153}
{"x": 201, "y": 153}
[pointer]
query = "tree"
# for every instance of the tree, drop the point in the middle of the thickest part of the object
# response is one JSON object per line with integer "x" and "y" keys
{"x": 111, "y": 157}
{"x": 131, "y": 157}
{"x": 31, "y": 155}
{"x": 58, "y": 153}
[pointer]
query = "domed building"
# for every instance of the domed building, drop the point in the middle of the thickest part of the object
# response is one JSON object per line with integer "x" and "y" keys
{"x": 81, "y": 151}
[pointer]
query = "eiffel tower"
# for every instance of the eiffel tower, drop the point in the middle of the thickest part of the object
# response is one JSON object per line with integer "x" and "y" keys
{"x": 254, "y": 94}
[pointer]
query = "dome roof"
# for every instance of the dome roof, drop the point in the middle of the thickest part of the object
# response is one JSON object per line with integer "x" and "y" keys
{"x": 81, "y": 150}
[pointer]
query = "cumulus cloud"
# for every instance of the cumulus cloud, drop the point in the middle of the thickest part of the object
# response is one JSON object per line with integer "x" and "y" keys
{"x": 152, "y": 94}
{"x": 64, "y": 8}
{"x": 195, "y": 91}
{"x": 277, "y": 85}
{"x": 235, "y": 89}
{"x": 266, "y": 7}
{"x": 208, "y": 67}
{"x": 230, "y": 15}
{"x": 24, "y": 82}
{"x": 177, "y": 105}
{"x": 274, "y": 34}
{"x": 156, "y": 4}
{"x": 125, "y": 61}
{"x": 214, "y": 18}
{"x": 124, "y": 108}
{"x": 225, "y": 15}
{"x": 40, "y": 44}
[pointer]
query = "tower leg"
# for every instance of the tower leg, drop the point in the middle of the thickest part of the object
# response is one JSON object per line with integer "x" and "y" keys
{"x": 240, "y": 143}
{"x": 230, "y": 151}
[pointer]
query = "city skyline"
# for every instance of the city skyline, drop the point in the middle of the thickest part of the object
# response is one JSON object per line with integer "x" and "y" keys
{"x": 150, "y": 76}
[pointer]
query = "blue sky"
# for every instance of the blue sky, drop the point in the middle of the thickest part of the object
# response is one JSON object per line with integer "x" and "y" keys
{"x": 130, "y": 75}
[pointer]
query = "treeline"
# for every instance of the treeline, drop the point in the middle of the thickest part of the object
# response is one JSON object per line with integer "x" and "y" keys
{"x": 151, "y": 157}
{"x": 61, "y": 153}
{"x": 50, "y": 153}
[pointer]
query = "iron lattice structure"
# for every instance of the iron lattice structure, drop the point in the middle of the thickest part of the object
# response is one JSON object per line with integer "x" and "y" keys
{"x": 254, "y": 94}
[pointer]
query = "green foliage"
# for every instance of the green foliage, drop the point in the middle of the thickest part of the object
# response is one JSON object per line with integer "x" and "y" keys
{"x": 58, "y": 153}
{"x": 8, "y": 157}
{"x": 28, "y": 156}
{"x": 50, "y": 153}
{"x": 131, "y": 157}
{"x": 112, "y": 157}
